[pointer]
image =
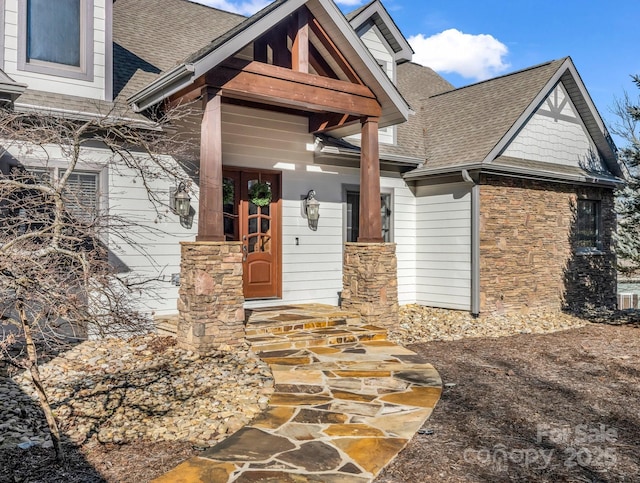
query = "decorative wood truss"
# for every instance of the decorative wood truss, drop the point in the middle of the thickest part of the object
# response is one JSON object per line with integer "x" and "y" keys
{"x": 295, "y": 66}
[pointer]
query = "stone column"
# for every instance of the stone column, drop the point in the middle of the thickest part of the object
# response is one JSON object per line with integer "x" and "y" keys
{"x": 370, "y": 282}
{"x": 211, "y": 299}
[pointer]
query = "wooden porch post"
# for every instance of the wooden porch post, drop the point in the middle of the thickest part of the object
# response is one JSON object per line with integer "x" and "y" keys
{"x": 370, "y": 217}
{"x": 210, "y": 217}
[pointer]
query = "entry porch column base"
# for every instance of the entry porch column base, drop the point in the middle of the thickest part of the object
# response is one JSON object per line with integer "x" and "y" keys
{"x": 370, "y": 282}
{"x": 211, "y": 299}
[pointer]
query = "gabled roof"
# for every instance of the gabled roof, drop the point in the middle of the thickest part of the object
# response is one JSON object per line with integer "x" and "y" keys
{"x": 416, "y": 83}
{"x": 394, "y": 107}
{"x": 471, "y": 126}
{"x": 374, "y": 13}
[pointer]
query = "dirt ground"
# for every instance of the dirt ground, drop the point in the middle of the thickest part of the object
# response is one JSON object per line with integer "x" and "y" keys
{"x": 545, "y": 408}
{"x": 556, "y": 407}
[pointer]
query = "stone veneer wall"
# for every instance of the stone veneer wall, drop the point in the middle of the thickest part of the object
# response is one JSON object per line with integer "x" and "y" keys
{"x": 211, "y": 298}
{"x": 370, "y": 282}
{"x": 527, "y": 255}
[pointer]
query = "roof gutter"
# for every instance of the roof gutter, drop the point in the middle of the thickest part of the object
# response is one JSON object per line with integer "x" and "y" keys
{"x": 514, "y": 171}
{"x": 169, "y": 83}
{"x": 332, "y": 151}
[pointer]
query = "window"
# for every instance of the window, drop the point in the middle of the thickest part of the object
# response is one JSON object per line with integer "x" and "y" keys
{"x": 56, "y": 37}
{"x": 353, "y": 215}
{"x": 588, "y": 236}
{"x": 81, "y": 193}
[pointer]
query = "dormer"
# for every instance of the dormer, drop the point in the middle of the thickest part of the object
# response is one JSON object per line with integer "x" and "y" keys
{"x": 61, "y": 46}
{"x": 381, "y": 35}
{"x": 385, "y": 42}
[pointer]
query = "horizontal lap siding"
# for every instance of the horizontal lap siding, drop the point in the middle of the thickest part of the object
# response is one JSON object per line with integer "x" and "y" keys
{"x": 312, "y": 267}
{"x": 404, "y": 236}
{"x": 443, "y": 246}
{"x": 155, "y": 253}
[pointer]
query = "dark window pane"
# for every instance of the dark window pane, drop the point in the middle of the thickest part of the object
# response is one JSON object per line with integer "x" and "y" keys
{"x": 253, "y": 225}
{"x": 265, "y": 225}
{"x": 253, "y": 241}
{"x": 353, "y": 216}
{"x": 53, "y": 31}
{"x": 588, "y": 224}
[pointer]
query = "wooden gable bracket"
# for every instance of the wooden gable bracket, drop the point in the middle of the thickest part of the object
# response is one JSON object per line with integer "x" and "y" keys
{"x": 273, "y": 85}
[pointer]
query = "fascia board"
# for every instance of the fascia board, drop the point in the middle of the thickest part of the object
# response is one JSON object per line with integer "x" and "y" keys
{"x": 566, "y": 67}
{"x": 406, "y": 51}
{"x": 248, "y": 35}
{"x": 184, "y": 74}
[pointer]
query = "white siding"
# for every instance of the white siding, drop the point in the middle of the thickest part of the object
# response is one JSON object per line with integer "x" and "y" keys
{"x": 311, "y": 269}
{"x": 556, "y": 134}
{"x": 443, "y": 246}
{"x": 51, "y": 83}
{"x": 381, "y": 51}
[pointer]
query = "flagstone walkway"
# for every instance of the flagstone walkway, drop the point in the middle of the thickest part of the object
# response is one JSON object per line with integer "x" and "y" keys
{"x": 339, "y": 414}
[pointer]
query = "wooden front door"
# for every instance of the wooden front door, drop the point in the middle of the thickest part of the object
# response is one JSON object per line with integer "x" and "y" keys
{"x": 258, "y": 227}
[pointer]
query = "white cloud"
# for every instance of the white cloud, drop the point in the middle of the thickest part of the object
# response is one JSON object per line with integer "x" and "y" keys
{"x": 476, "y": 57}
{"x": 247, "y": 8}
{"x": 350, "y": 3}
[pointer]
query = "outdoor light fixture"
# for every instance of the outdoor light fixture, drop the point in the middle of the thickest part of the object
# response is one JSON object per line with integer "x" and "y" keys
{"x": 312, "y": 209}
{"x": 181, "y": 201}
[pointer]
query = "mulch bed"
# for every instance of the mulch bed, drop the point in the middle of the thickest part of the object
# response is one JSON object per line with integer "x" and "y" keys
{"x": 553, "y": 407}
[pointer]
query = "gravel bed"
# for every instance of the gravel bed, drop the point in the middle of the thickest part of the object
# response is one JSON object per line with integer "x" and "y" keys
{"x": 425, "y": 324}
{"x": 117, "y": 391}
{"x": 121, "y": 391}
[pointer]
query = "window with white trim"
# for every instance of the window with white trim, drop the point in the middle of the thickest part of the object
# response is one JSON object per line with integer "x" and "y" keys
{"x": 353, "y": 215}
{"x": 81, "y": 191}
{"x": 56, "y": 37}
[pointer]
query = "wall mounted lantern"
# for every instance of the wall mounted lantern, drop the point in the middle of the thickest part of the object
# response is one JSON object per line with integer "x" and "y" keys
{"x": 181, "y": 201}
{"x": 312, "y": 209}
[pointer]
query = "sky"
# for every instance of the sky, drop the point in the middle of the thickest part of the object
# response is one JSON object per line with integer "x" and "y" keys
{"x": 467, "y": 41}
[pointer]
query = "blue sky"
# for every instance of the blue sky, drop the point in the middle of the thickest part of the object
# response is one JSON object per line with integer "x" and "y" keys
{"x": 470, "y": 40}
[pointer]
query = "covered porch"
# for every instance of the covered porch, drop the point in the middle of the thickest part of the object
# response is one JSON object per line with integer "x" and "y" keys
{"x": 307, "y": 65}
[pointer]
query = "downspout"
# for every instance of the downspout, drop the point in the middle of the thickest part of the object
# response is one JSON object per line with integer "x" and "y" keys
{"x": 475, "y": 243}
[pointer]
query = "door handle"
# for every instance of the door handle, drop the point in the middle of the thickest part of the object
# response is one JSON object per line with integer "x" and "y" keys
{"x": 244, "y": 252}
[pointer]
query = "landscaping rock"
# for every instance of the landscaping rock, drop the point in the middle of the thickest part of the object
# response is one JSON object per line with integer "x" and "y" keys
{"x": 423, "y": 324}
{"x": 119, "y": 391}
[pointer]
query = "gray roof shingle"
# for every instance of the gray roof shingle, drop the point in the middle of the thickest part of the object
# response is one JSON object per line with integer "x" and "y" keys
{"x": 151, "y": 37}
{"x": 464, "y": 125}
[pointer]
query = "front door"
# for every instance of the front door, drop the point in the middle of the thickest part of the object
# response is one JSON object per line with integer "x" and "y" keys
{"x": 257, "y": 225}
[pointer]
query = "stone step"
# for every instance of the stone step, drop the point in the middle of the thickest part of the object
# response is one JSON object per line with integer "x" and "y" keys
{"x": 316, "y": 337}
{"x": 281, "y": 320}
{"x": 166, "y": 325}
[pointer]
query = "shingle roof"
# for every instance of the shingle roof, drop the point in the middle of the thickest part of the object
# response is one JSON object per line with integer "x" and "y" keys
{"x": 416, "y": 83}
{"x": 162, "y": 36}
{"x": 464, "y": 125}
